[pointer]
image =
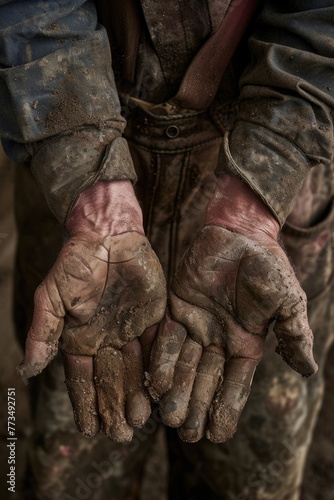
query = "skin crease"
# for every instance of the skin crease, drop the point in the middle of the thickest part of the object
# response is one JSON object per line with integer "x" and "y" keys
{"x": 106, "y": 208}
{"x": 236, "y": 207}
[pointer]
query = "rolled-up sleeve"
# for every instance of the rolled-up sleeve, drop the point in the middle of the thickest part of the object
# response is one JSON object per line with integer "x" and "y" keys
{"x": 59, "y": 105}
{"x": 285, "y": 119}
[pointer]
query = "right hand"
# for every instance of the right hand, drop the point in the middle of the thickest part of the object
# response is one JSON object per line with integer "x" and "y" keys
{"x": 104, "y": 294}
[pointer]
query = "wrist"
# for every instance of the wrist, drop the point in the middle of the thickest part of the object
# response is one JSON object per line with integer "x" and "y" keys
{"x": 106, "y": 208}
{"x": 236, "y": 207}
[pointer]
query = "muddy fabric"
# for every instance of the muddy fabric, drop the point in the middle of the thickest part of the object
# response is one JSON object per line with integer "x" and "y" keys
{"x": 282, "y": 106}
{"x": 284, "y": 126}
{"x": 171, "y": 169}
{"x": 278, "y": 128}
{"x": 67, "y": 121}
{"x": 106, "y": 159}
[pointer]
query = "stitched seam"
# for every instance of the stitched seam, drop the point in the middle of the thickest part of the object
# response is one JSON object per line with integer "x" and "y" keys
{"x": 173, "y": 151}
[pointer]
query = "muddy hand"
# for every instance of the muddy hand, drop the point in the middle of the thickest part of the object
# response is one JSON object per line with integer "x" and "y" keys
{"x": 104, "y": 291}
{"x": 231, "y": 284}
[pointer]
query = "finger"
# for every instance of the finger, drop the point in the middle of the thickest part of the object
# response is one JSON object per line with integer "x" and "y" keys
{"x": 294, "y": 335}
{"x": 146, "y": 340}
{"x": 230, "y": 399}
{"x": 109, "y": 382}
{"x": 200, "y": 323}
{"x": 165, "y": 353}
{"x": 137, "y": 406}
{"x": 209, "y": 373}
{"x": 79, "y": 379}
{"x": 46, "y": 328}
{"x": 174, "y": 405}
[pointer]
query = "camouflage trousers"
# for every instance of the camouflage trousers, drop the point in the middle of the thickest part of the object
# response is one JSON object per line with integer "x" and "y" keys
{"x": 175, "y": 158}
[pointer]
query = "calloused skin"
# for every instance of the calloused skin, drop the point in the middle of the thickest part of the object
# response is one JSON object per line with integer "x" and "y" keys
{"x": 101, "y": 302}
{"x": 231, "y": 284}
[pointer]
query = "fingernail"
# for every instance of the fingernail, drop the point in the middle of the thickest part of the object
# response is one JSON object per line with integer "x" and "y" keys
{"x": 189, "y": 435}
{"x": 21, "y": 370}
{"x": 172, "y": 412}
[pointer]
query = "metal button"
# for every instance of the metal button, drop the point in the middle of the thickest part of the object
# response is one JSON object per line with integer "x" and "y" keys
{"x": 172, "y": 131}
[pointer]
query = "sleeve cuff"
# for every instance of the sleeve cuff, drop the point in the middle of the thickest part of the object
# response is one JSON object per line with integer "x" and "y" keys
{"x": 270, "y": 164}
{"x": 66, "y": 166}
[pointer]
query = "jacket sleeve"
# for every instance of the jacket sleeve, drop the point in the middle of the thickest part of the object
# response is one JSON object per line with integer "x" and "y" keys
{"x": 285, "y": 119}
{"x": 59, "y": 105}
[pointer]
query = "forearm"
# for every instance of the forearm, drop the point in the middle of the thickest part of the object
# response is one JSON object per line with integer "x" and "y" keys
{"x": 107, "y": 209}
{"x": 236, "y": 207}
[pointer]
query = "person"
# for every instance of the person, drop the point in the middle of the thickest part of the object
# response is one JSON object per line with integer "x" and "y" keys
{"x": 208, "y": 174}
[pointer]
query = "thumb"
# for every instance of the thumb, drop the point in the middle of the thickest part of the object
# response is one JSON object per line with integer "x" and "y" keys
{"x": 46, "y": 328}
{"x": 294, "y": 335}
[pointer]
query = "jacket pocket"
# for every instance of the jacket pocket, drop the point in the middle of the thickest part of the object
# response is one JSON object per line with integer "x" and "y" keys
{"x": 311, "y": 251}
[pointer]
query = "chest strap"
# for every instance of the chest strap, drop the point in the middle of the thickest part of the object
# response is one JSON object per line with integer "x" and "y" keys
{"x": 201, "y": 81}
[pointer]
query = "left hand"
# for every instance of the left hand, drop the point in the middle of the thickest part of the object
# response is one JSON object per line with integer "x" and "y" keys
{"x": 228, "y": 288}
